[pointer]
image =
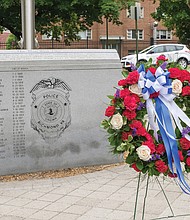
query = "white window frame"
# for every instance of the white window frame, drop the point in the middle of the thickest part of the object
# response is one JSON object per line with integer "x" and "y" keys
{"x": 49, "y": 37}
{"x": 142, "y": 12}
{"x": 130, "y": 34}
{"x": 128, "y": 13}
{"x": 168, "y": 35}
{"x": 84, "y": 34}
{"x": 46, "y": 37}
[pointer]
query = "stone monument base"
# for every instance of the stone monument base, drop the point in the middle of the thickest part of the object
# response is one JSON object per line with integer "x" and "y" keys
{"x": 51, "y": 106}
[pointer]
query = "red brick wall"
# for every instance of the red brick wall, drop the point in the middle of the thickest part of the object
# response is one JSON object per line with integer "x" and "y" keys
{"x": 143, "y": 24}
{"x": 114, "y": 31}
{"x": 3, "y": 37}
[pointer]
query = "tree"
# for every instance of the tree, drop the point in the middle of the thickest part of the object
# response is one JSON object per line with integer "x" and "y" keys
{"x": 12, "y": 42}
{"x": 58, "y": 16}
{"x": 175, "y": 14}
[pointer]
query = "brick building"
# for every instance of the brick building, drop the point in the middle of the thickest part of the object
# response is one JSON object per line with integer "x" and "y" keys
{"x": 122, "y": 37}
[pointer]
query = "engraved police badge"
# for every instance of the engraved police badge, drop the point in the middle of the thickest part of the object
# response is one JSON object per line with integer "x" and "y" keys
{"x": 50, "y": 109}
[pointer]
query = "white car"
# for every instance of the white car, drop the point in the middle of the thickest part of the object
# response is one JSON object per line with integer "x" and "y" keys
{"x": 178, "y": 53}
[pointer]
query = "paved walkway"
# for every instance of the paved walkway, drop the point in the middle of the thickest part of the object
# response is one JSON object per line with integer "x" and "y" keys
{"x": 102, "y": 195}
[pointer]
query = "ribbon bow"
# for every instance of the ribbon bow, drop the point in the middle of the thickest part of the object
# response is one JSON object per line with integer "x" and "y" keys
{"x": 158, "y": 83}
{"x": 161, "y": 114}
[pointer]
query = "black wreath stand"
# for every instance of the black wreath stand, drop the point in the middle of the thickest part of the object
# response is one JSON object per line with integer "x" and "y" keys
{"x": 145, "y": 199}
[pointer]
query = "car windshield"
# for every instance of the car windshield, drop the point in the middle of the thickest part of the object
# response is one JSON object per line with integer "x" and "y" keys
{"x": 147, "y": 49}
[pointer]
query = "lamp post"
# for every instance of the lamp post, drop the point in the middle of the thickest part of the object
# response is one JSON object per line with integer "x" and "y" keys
{"x": 136, "y": 30}
{"x": 107, "y": 39}
{"x": 155, "y": 25}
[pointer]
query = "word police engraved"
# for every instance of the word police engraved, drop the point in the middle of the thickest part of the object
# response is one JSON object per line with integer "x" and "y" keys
{"x": 50, "y": 109}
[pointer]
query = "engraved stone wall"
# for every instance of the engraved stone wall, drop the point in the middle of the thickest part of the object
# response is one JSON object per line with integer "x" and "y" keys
{"x": 51, "y": 106}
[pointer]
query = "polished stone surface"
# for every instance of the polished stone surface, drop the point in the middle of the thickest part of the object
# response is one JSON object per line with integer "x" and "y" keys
{"x": 51, "y": 105}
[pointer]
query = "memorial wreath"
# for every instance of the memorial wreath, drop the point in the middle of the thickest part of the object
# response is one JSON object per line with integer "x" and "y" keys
{"x": 148, "y": 120}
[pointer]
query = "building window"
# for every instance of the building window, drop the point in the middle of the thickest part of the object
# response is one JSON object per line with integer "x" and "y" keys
{"x": 131, "y": 34}
{"x": 142, "y": 12}
{"x": 6, "y": 31}
{"x": 49, "y": 36}
{"x": 85, "y": 34}
{"x": 163, "y": 35}
{"x": 130, "y": 14}
{"x": 130, "y": 52}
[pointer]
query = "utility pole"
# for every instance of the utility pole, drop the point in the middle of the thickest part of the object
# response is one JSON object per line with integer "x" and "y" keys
{"x": 136, "y": 29}
{"x": 155, "y": 24}
{"x": 135, "y": 14}
{"x": 28, "y": 23}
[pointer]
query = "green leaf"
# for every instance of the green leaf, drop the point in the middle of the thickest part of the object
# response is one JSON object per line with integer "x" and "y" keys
{"x": 118, "y": 140}
{"x": 140, "y": 165}
{"x": 131, "y": 148}
{"x": 110, "y": 96}
{"x": 111, "y": 131}
{"x": 144, "y": 170}
{"x": 151, "y": 164}
{"x": 151, "y": 132}
{"x": 105, "y": 124}
{"x": 130, "y": 159}
{"x": 150, "y": 172}
{"x": 112, "y": 140}
{"x": 121, "y": 147}
{"x": 126, "y": 128}
{"x": 177, "y": 132}
{"x": 130, "y": 138}
{"x": 125, "y": 73}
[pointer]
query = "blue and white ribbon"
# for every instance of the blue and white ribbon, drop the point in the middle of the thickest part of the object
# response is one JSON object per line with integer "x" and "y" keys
{"x": 163, "y": 111}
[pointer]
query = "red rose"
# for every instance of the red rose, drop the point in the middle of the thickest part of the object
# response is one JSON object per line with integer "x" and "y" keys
{"x": 161, "y": 58}
{"x": 132, "y": 78}
{"x": 151, "y": 145}
{"x": 172, "y": 175}
{"x": 134, "y": 166}
{"x": 154, "y": 95}
{"x": 135, "y": 124}
{"x": 186, "y": 91}
{"x": 125, "y": 135}
{"x": 188, "y": 161}
{"x": 141, "y": 131}
{"x": 136, "y": 97}
{"x": 129, "y": 114}
{"x": 160, "y": 149}
{"x": 161, "y": 166}
{"x": 130, "y": 103}
{"x": 110, "y": 111}
{"x": 174, "y": 72}
{"x": 181, "y": 157}
{"x": 185, "y": 144}
{"x": 124, "y": 92}
{"x": 122, "y": 82}
{"x": 185, "y": 76}
{"x": 152, "y": 70}
{"x": 148, "y": 137}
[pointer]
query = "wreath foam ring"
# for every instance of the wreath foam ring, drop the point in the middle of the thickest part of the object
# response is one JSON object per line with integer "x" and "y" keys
{"x": 137, "y": 117}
